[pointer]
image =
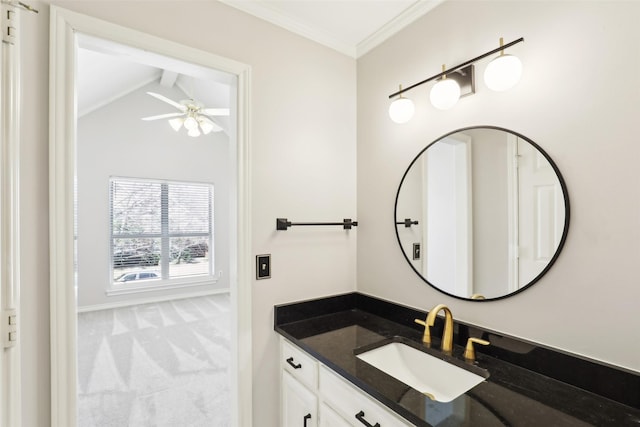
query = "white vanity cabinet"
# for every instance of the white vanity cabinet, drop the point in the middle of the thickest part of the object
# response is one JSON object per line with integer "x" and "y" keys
{"x": 314, "y": 395}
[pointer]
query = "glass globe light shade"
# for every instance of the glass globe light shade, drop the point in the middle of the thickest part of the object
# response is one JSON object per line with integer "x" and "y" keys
{"x": 401, "y": 110}
{"x": 191, "y": 123}
{"x": 503, "y": 73}
{"x": 445, "y": 94}
{"x": 176, "y": 123}
{"x": 206, "y": 125}
{"x": 194, "y": 132}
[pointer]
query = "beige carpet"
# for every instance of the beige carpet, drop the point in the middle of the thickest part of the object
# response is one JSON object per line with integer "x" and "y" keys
{"x": 163, "y": 364}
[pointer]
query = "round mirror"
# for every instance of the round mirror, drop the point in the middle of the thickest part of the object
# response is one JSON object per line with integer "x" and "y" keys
{"x": 481, "y": 213}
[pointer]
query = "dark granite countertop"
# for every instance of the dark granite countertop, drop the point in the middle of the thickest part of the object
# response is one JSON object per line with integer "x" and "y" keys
{"x": 528, "y": 385}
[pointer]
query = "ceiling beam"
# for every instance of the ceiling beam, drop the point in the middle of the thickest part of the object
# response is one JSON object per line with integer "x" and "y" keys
{"x": 168, "y": 78}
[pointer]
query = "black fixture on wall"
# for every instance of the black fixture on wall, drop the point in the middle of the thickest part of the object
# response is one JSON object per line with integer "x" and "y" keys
{"x": 501, "y": 74}
{"x": 284, "y": 223}
{"x": 408, "y": 222}
{"x": 457, "y": 67}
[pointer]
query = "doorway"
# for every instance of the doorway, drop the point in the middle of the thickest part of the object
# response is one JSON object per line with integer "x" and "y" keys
{"x": 169, "y": 261}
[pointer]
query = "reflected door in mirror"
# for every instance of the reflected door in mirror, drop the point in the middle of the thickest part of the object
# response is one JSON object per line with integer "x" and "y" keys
{"x": 491, "y": 211}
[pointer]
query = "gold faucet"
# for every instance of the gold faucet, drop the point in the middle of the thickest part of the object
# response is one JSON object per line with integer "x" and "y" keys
{"x": 447, "y": 335}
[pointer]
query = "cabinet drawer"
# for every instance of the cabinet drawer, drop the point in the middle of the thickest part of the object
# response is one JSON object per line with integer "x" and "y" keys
{"x": 350, "y": 401}
{"x": 302, "y": 366}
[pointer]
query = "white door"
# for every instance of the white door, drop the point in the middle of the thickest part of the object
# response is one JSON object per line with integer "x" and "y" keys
{"x": 540, "y": 212}
{"x": 448, "y": 213}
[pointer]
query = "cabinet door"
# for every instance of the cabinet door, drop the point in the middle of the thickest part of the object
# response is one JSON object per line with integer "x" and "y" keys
{"x": 299, "y": 405}
{"x": 329, "y": 418}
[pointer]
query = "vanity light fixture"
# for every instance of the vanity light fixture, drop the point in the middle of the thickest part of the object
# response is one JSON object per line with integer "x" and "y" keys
{"x": 401, "y": 110}
{"x": 445, "y": 94}
{"x": 501, "y": 74}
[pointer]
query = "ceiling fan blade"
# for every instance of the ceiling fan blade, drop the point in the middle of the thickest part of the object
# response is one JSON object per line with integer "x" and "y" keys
{"x": 215, "y": 111}
{"x": 168, "y": 101}
{"x": 162, "y": 116}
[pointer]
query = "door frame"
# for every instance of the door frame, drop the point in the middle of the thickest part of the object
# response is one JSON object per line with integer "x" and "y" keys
{"x": 10, "y": 374}
{"x": 62, "y": 143}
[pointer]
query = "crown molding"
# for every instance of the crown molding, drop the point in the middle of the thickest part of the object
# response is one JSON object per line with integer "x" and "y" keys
{"x": 263, "y": 10}
{"x": 408, "y": 16}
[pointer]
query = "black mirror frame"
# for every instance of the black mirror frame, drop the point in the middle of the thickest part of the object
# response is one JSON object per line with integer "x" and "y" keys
{"x": 565, "y": 231}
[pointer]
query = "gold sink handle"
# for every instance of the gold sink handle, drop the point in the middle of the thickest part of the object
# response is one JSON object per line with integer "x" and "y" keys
{"x": 426, "y": 337}
{"x": 469, "y": 351}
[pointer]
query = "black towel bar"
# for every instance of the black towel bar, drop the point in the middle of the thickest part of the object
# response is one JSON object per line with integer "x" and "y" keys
{"x": 284, "y": 223}
{"x": 407, "y": 222}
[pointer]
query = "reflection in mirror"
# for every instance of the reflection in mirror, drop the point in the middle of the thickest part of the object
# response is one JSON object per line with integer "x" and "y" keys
{"x": 481, "y": 213}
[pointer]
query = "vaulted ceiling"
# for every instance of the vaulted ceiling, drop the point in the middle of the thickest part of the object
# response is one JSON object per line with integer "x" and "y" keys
{"x": 108, "y": 71}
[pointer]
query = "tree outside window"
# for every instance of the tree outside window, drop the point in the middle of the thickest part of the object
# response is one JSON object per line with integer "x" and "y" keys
{"x": 161, "y": 226}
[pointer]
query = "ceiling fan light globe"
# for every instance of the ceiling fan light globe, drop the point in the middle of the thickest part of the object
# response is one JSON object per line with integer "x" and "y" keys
{"x": 191, "y": 123}
{"x": 176, "y": 123}
{"x": 194, "y": 132}
{"x": 206, "y": 127}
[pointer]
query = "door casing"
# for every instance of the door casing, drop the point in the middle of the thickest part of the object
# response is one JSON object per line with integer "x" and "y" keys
{"x": 64, "y": 24}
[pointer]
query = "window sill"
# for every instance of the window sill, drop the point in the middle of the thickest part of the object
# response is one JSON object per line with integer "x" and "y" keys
{"x": 156, "y": 285}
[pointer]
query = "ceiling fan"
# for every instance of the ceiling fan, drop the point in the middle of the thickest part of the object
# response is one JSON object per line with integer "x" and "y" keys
{"x": 192, "y": 114}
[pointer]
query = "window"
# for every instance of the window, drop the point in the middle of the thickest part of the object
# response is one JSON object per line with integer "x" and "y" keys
{"x": 161, "y": 231}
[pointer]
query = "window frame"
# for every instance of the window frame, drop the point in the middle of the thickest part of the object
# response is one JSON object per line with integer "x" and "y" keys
{"x": 165, "y": 236}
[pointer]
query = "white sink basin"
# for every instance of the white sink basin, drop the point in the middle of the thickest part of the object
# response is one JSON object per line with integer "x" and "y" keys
{"x": 436, "y": 378}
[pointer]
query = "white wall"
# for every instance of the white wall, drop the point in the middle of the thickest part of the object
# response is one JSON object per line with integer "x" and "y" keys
{"x": 303, "y": 141}
{"x": 579, "y": 100}
{"x": 113, "y": 141}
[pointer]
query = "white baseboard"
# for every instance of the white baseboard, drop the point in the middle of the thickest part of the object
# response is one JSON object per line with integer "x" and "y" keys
{"x": 149, "y": 300}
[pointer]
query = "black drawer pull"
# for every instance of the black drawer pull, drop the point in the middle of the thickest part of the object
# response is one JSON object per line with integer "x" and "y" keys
{"x": 294, "y": 366}
{"x": 360, "y": 417}
{"x": 306, "y": 417}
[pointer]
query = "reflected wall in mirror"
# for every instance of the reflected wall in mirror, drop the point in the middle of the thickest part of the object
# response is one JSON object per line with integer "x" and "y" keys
{"x": 482, "y": 213}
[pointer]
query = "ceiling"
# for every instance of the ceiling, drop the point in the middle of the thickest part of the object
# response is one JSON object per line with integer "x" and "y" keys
{"x": 108, "y": 71}
{"x": 352, "y": 27}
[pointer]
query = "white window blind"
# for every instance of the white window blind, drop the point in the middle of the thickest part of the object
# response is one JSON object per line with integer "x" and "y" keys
{"x": 160, "y": 227}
